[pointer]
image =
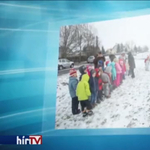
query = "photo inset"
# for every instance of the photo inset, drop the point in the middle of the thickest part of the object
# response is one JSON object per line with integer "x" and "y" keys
{"x": 103, "y": 75}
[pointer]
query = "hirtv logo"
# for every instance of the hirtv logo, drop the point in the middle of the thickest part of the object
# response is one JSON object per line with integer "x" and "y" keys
{"x": 29, "y": 140}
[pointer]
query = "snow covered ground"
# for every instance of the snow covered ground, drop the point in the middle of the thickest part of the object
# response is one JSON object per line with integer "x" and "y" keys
{"x": 128, "y": 107}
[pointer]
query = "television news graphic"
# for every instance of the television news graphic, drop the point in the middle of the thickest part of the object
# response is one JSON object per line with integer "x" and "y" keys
{"x": 29, "y": 140}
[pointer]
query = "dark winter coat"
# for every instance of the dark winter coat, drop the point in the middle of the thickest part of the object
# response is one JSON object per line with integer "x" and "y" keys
{"x": 97, "y": 60}
{"x": 92, "y": 83}
{"x": 131, "y": 61}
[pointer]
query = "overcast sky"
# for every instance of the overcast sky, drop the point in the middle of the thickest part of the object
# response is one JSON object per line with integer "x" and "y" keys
{"x": 136, "y": 29}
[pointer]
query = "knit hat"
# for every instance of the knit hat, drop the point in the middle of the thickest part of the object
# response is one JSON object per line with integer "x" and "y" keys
{"x": 107, "y": 62}
{"x": 72, "y": 71}
{"x": 93, "y": 71}
{"x": 84, "y": 68}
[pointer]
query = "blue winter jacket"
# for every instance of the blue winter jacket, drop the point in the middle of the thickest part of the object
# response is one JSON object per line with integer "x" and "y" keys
{"x": 73, "y": 86}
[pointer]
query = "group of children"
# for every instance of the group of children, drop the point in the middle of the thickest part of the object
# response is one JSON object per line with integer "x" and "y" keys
{"x": 95, "y": 84}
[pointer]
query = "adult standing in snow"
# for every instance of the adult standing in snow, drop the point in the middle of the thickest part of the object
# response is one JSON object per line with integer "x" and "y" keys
{"x": 131, "y": 64}
{"x": 95, "y": 64}
{"x": 100, "y": 58}
{"x": 72, "y": 90}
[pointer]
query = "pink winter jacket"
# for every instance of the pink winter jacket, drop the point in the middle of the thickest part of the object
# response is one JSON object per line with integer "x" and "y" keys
{"x": 122, "y": 64}
{"x": 118, "y": 68}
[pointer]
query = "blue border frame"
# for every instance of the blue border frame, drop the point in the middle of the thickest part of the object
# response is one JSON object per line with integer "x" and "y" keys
{"x": 40, "y": 95}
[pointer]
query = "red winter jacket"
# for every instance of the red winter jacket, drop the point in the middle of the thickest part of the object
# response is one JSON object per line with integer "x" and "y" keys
{"x": 100, "y": 84}
{"x": 97, "y": 71}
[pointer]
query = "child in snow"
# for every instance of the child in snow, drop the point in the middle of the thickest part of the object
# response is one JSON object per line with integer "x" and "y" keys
{"x": 118, "y": 71}
{"x": 100, "y": 87}
{"x": 108, "y": 71}
{"x": 101, "y": 64}
{"x": 97, "y": 86}
{"x": 100, "y": 67}
{"x": 89, "y": 68}
{"x": 123, "y": 66}
{"x": 83, "y": 70}
{"x": 93, "y": 87}
{"x": 147, "y": 62}
{"x": 83, "y": 93}
{"x": 72, "y": 90}
{"x": 113, "y": 72}
{"x": 106, "y": 84}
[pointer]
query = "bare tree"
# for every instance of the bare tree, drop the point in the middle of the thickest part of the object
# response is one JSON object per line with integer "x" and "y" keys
{"x": 68, "y": 39}
{"x": 78, "y": 37}
{"x": 91, "y": 40}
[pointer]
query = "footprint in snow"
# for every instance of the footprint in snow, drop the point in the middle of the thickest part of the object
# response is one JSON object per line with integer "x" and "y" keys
{"x": 64, "y": 83}
{"x": 115, "y": 117}
{"x": 89, "y": 121}
{"x": 57, "y": 125}
{"x": 131, "y": 124}
{"x": 139, "y": 109}
{"x": 148, "y": 99}
{"x": 134, "y": 119}
{"x": 148, "y": 110}
{"x": 104, "y": 122}
{"x": 125, "y": 107}
{"x": 129, "y": 116}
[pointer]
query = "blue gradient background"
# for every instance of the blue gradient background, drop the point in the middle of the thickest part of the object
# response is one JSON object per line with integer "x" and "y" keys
{"x": 29, "y": 38}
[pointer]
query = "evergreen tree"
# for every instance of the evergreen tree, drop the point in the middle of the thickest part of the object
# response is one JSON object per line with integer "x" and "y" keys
{"x": 118, "y": 48}
{"x": 121, "y": 47}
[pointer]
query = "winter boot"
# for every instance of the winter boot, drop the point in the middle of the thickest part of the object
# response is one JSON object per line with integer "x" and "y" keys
{"x": 90, "y": 113}
{"x": 85, "y": 114}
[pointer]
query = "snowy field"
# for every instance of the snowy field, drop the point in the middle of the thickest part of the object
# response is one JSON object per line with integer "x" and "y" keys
{"x": 128, "y": 107}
